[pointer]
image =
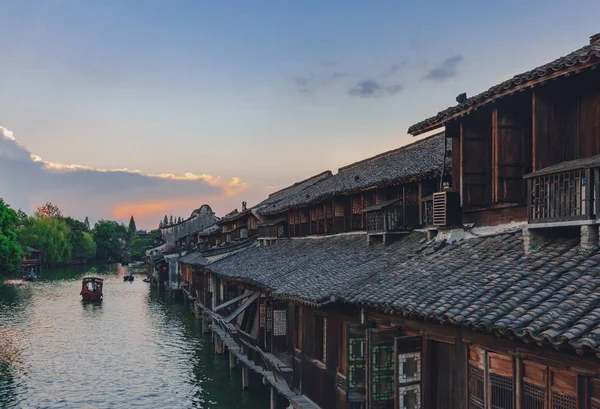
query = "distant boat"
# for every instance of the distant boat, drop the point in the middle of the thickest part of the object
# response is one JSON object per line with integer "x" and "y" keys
{"x": 91, "y": 288}
{"x": 128, "y": 278}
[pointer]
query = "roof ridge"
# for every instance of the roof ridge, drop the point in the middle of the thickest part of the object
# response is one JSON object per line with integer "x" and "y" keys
{"x": 390, "y": 152}
{"x": 301, "y": 182}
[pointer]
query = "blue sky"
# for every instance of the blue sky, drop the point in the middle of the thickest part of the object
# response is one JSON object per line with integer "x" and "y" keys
{"x": 269, "y": 92}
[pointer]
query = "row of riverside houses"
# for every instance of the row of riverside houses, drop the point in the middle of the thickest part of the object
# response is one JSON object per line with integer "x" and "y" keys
{"x": 461, "y": 271}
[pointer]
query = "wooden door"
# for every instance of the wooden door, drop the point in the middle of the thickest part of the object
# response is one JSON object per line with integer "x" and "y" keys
{"x": 442, "y": 375}
{"x": 407, "y": 370}
{"x": 380, "y": 368}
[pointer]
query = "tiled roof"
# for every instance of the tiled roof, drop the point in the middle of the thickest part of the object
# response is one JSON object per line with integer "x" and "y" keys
{"x": 485, "y": 283}
{"x": 314, "y": 269}
{"x": 193, "y": 259}
{"x": 584, "y": 55}
{"x": 234, "y": 215}
{"x": 418, "y": 161}
{"x": 292, "y": 190}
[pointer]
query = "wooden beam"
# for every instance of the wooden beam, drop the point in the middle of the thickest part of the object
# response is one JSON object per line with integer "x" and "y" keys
{"x": 234, "y": 300}
{"x": 241, "y": 308}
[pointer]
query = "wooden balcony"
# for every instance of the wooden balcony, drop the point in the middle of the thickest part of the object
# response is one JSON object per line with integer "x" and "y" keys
{"x": 565, "y": 193}
{"x": 385, "y": 217}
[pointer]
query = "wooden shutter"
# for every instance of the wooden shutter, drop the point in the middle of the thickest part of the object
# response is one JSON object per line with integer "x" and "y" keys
{"x": 476, "y": 375}
{"x": 563, "y": 389}
{"x": 501, "y": 381}
{"x": 380, "y": 368}
{"x": 534, "y": 384}
{"x": 408, "y": 370}
{"x": 476, "y": 164}
{"x": 356, "y": 345}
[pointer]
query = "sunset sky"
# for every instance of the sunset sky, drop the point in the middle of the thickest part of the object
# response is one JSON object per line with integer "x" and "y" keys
{"x": 166, "y": 105}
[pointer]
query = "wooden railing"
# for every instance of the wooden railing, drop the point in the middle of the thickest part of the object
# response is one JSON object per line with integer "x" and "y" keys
{"x": 563, "y": 196}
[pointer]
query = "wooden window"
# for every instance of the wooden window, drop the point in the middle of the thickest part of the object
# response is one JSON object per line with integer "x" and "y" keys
{"x": 320, "y": 353}
{"x": 407, "y": 352}
{"x": 492, "y": 383}
{"x": 491, "y": 380}
{"x": 355, "y": 357}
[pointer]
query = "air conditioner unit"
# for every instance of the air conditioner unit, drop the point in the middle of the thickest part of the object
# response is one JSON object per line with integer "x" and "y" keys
{"x": 446, "y": 209}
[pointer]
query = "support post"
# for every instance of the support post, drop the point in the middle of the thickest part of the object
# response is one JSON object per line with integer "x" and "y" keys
{"x": 231, "y": 360}
{"x": 273, "y": 399}
{"x": 205, "y": 328}
{"x": 245, "y": 377}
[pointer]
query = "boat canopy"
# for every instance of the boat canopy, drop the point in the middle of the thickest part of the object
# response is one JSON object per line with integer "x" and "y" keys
{"x": 91, "y": 279}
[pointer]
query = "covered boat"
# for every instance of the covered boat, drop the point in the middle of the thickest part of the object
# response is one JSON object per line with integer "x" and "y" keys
{"x": 91, "y": 288}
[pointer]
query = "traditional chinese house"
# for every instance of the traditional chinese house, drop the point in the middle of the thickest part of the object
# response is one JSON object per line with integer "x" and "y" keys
{"x": 412, "y": 281}
{"x": 237, "y": 226}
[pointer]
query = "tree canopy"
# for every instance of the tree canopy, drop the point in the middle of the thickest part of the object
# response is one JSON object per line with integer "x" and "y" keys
{"x": 110, "y": 238}
{"x": 10, "y": 251}
{"x": 82, "y": 241}
{"x": 131, "y": 230}
{"x": 51, "y": 236}
{"x": 48, "y": 210}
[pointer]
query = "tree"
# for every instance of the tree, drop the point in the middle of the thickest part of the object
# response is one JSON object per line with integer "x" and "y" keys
{"x": 171, "y": 219}
{"x": 51, "y": 236}
{"x": 131, "y": 230}
{"x": 48, "y": 210}
{"x": 110, "y": 238}
{"x": 10, "y": 251}
{"x": 87, "y": 224}
{"x": 81, "y": 240}
{"x": 165, "y": 221}
{"x": 139, "y": 247}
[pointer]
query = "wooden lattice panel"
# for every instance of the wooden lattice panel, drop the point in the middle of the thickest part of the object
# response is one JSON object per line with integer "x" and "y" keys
{"x": 357, "y": 206}
{"x": 339, "y": 209}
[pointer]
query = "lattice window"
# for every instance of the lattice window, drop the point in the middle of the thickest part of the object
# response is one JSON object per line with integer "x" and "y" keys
{"x": 357, "y": 206}
{"x": 291, "y": 218}
{"x": 296, "y": 217}
{"x": 279, "y": 322}
{"x": 534, "y": 396}
{"x": 501, "y": 392}
{"x": 356, "y": 376}
{"x": 562, "y": 401}
{"x": 476, "y": 388}
{"x": 320, "y": 214}
{"x": 409, "y": 397}
{"x": 304, "y": 216}
{"x": 409, "y": 367}
{"x": 383, "y": 357}
{"x": 313, "y": 214}
{"x": 383, "y": 387}
{"x": 339, "y": 209}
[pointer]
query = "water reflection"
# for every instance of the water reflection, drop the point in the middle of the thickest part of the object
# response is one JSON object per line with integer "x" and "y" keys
{"x": 133, "y": 349}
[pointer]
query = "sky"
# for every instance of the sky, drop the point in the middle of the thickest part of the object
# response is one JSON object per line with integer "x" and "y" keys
{"x": 166, "y": 105}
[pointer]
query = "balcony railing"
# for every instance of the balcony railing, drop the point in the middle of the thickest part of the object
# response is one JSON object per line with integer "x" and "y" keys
{"x": 564, "y": 193}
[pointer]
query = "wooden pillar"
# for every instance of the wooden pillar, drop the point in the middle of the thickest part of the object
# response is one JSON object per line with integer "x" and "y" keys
{"x": 231, "y": 360}
{"x": 245, "y": 377}
{"x": 205, "y": 328}
{"x": 273, "y": 398}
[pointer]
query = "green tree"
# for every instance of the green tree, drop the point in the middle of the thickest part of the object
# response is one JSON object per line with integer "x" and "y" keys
{"x": 110, "y": 238}
{"x": 131, "y": 230}
{"x": 139, "y": 247}
{"x": 51, "y": 236}
{"x": 10, "y": 251}
{"x": 81, "y": 240}
{"x": 87, "y": 224}
{"x": 48, "y": 210}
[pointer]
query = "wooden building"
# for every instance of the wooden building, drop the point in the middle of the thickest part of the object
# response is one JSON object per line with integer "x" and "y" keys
{"x": 32, "y": 260}
{"x": 501, "y": 315}
{"x": 238, "y": 225}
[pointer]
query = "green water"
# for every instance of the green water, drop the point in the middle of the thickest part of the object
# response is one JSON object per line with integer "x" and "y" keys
{"x": 134, "y": 349}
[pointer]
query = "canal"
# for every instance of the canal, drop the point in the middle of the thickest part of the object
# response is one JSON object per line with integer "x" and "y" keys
{"x": 136, "y": 348}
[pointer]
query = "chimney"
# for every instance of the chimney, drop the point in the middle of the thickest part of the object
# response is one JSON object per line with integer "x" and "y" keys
{"x": 461, "y": 98}
{"x": 595, "y": 38}
{"x": 243, "y": 206}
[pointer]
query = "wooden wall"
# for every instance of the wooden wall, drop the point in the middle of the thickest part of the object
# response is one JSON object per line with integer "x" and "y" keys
{"x": 566, "y": 120}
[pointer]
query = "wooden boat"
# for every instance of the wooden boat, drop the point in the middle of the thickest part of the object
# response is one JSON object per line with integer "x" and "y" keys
{"x": 128, "y": 278}
{"x": 146, "y": 280}
{"x": 29, "y": 278}
{"x": 91, "y": 288}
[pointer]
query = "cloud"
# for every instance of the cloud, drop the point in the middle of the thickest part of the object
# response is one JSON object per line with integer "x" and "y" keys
{"x": 106, "y": 193}
{"x": 372, "y": 89}
{"x": 446, "y": 70}
{"x": 394, "y": 69}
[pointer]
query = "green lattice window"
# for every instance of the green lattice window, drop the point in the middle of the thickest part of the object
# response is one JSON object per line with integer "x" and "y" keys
{"x": 383, "y": 387}
{"x": 383, "y": 357}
